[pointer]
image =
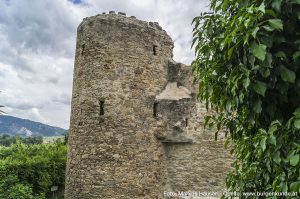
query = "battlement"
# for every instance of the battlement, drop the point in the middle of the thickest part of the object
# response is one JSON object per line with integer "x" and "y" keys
{"x": 121, "y": 18}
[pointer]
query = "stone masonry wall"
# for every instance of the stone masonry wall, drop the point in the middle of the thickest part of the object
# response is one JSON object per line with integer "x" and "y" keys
{"x": 136, "y": 128}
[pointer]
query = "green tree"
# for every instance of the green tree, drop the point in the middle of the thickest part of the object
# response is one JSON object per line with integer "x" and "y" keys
{"x": 29, "y": 171}
{"x": 66, "y": 137}
{"x": 7, "y": 140}
{"x": 32, "y": 140}
{"x": 247, "y": 66}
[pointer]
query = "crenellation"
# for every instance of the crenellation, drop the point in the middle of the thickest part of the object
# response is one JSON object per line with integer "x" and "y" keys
{"x": 122, "y": 13}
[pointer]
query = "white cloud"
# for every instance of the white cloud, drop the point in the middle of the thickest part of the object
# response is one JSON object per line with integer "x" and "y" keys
{"x": 38, "y": 44}
{"x": 36, "y": 115}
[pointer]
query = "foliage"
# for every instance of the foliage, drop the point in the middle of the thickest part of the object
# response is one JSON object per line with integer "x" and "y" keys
{"x": 247, "y": 66}
{"x": 32, "y": 140}
{"x": 66, "y": 137}
{"x": 29, "y": 171}
{"x": 7, "y": 140}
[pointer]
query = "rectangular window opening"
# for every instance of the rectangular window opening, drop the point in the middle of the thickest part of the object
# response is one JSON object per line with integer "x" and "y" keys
{"x": 101, "y": 111}
{"x": 82, "y": 49}
{"x": 154, "y": 50}
{"x": 101, "y": 103}
{"x": 155, "y": 109}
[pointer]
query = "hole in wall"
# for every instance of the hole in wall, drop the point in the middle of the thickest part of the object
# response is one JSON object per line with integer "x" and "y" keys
{"x": 82, "y": 48}
{"x": 155, "y": 109}
{"x": 154, "y": 50}
{"x": 101, "y": 111}
{"x": 106, "y": 66}
{"x": 101, "y": 103}
{"x": 186, "y": 122}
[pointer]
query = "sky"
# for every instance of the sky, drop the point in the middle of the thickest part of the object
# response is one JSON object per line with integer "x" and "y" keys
{"x": 37, "y": 46}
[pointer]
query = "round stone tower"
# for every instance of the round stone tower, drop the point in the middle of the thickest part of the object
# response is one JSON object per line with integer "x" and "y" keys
{"x": 121, "y": 64}
{"x": 136, "y": 128}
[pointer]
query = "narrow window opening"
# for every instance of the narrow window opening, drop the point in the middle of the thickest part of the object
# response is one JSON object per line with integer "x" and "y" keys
{"x": 101, "y": 113}
{"x": 155, "y": 109}
{"x": 82, "y": 49}
{"x": 186, "y": 122}
{"x": 101, "y": 108}
{"x": 154, "y": 50}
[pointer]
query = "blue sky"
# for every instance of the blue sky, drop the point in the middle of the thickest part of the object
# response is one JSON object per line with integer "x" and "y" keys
{"x": 38, "y": 44}
{"x": 76, "y": 1}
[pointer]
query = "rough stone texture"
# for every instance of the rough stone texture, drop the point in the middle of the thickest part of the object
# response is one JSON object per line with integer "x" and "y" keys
{"x": 136, "y": 128}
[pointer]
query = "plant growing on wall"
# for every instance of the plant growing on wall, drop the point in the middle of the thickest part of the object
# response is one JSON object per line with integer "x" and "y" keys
{"x": 247, "y": 66}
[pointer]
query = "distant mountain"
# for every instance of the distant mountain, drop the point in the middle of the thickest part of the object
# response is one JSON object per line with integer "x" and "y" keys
{"x": 16, "y": 126}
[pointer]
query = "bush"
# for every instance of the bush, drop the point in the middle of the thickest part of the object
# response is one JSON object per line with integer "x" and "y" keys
{"x": 29, "y": 171}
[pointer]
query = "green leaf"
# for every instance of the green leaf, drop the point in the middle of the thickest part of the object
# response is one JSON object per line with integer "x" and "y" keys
{"x": 265, "y": 72}
{"x": 295, "y": 186}
{"x": 228, "y": 106}
{"x": 275, "y": 123}
{"x": 276, "y": 4}
{"x": 260, "y": 87}
{"x": 297, "y": 112}
{"x": 251, "y": 60}
{"x": 195, "y": 19}
{"x": 281, "y": 54}
{"x": 230, "y": 52}
{"x": 272, "y": 140}
{"x": 271, "y": 12}
{"x": 257, "y": 106}
{"x": 262, "y": 7}
{"x": 296, "y": 54}
{"x": 225, "y": 5}
{"x": 263, "y": 144}
{"x": 284, "y": 187}
{"x": 268, "y": 41}
{"x": 268, "y": 28}
{"x": 272, "y": 129}
{"x": 254, "y": 32}
{"x": 295, "y": 1}
{"x": 297, "y": 123}
{"x": 276, "y": 157}
{"x": 206, "y": 118}
{"x": 246, "y": 22}
{"x": 259, "y": 51}
{"x": 287, "y": 75}
{"x": 294, "y": 160}
{"x": 276, "y": 24}
{"x": 246, "y": 83}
